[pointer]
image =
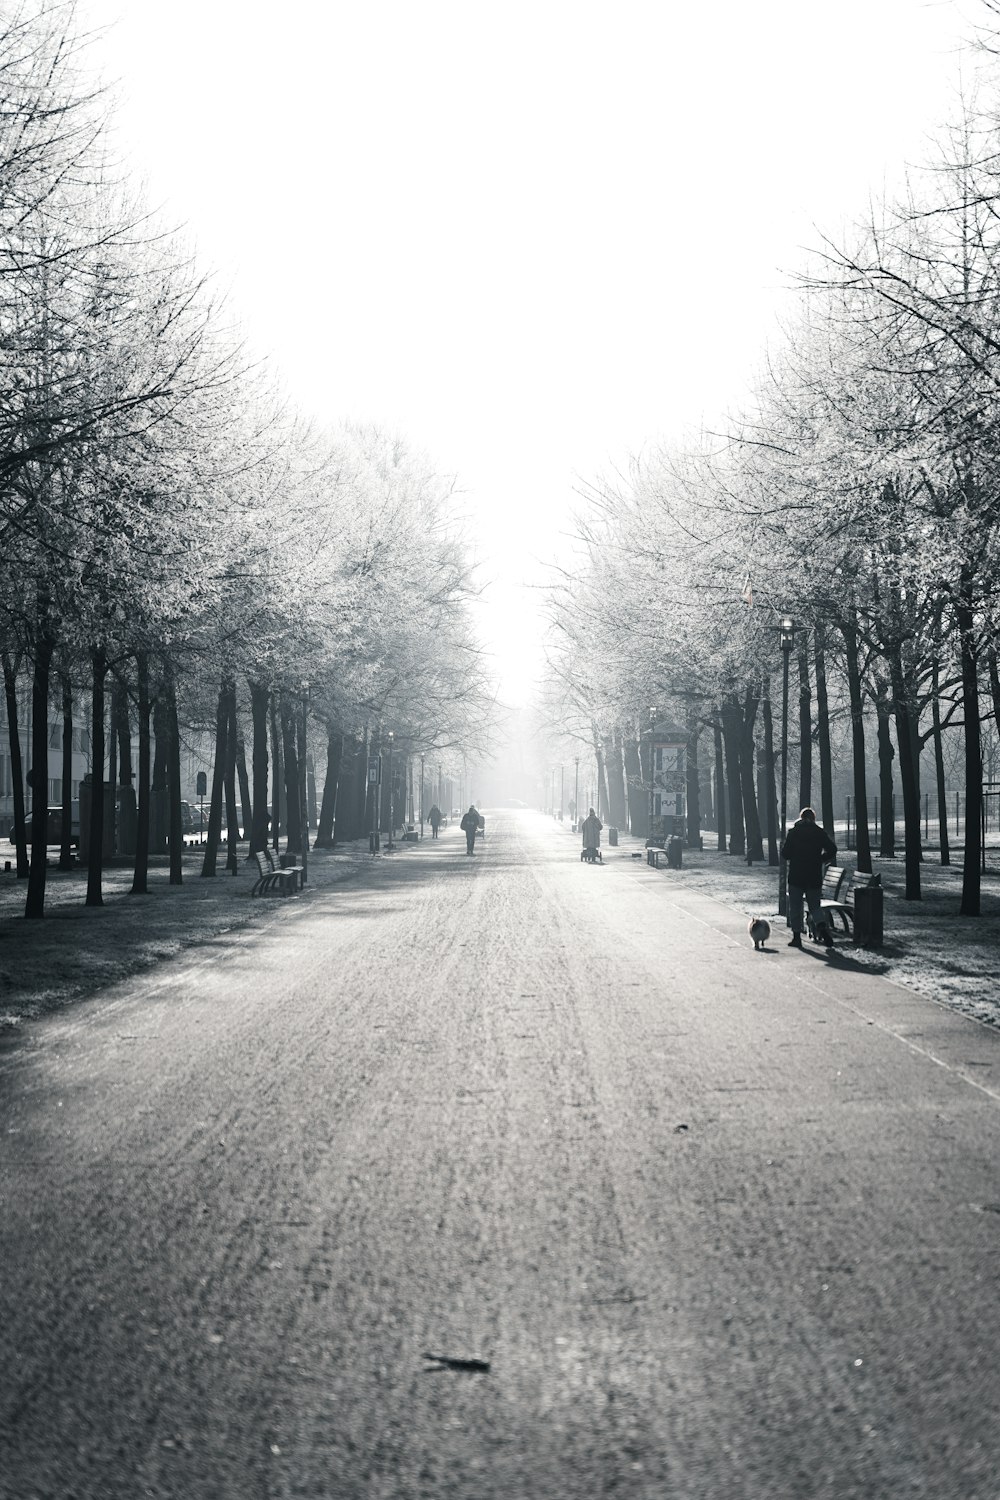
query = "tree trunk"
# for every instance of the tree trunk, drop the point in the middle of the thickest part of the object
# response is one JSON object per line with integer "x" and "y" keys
{"x": 16, "y": 765}
{"x": 349, "y": 813}
{"x": 367, "y": 791}
{"x": 111, "y": 750}
{"x": 602, "y": 789}
{"x": 864, "y": 852}
{"x": 277, "y": 777}
{"x": 293, "y": 818}
{"x": 770, "y": 794}
{"x": 233, "y": 829}
{"x": 66, "y": 839}
{"x": 991, "y": 662}
{"x": 246, "y": 798}
{"x": 721, "y": 796}
{"x": 805, "y": 731}
{"x": 175, "y": 821}
{"x": 908, "y": 778}
{"x": 160, "y": 793}
{"x": 971, "y": 873}
{"x": 312, "y": 816}
{"x": 942, "y": 799}
{"x": 638, "y": 802}
{"x": 886, "y": 756}
{"x": 302, "y": 754}
{"x": 823, "y": 734}
{"x": 731, "y": 722}
{"x": 328, "y": 811}
{"x": 127, "y": 819}
{"x": 208, "y": 868}
{"x": 95, "y": 851}
{"x": 693, "y": 783}
{"x": 34, "y": 906}
{"x": 754, "y": 842}
{"x": 124, "y": 733}
{"x": 140, "y": 882}
{"x": 614, "y": 769}
{"x": 259, "y": 699}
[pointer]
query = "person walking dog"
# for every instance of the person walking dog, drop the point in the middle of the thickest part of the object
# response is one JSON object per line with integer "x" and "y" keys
{"x": 807, "y": 848}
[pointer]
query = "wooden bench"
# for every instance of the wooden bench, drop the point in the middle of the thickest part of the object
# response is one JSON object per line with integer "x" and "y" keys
{"x": 272, "y": 881}
{"x": 671, "y": 854}
{"x": 837, "y": 895}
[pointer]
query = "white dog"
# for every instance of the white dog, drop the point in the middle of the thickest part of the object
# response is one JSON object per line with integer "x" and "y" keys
{"x": 760, "y": 930}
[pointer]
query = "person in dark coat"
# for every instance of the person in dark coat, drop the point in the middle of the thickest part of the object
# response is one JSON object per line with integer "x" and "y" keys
{"x": 470, "y": 826}
{"x": 591, "y": 830}
{"x": 435, "y": 817}
{"x": 807, "y": 848}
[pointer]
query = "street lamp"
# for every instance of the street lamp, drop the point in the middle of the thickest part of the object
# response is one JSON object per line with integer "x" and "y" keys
{"x": 786, "y": 639}
{"x": 389, "y": 844}
{"x": 652, "y": 773}
{"x": 562, "y": 791}
{"x": 576, "y": 791}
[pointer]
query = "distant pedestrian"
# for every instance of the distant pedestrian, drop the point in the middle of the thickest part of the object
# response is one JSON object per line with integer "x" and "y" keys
{"x": 470, "y": 826}
{"x": 436, "y": 817}
{"x": 591, "y": 830}
{"x": 807, "y": 848}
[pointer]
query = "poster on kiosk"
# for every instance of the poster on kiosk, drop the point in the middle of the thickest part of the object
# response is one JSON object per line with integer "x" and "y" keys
{"x": 669, "y": 789}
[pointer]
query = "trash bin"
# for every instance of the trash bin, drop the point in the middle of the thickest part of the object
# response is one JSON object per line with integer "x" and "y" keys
{"x": 675, "y": 848}
{"x": 868, "y": 906}
{"x": 613, "y": 837}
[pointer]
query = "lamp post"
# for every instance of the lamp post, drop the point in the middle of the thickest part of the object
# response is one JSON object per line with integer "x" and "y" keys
{"x": 786, "y": 627}
{"x": 421, "y": 796}
{"x": 576, "y": 789}
{"x": 652, "y": 774}
{"x": 389, "y": 844}
{"x": 303, "y": 786}
{"x": 562, "y": 791}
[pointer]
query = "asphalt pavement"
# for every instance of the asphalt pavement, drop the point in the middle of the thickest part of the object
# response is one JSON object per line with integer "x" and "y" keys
{"x": 674, "y": 1218}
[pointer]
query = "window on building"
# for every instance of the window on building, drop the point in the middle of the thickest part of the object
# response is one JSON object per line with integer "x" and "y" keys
{"x": 55, "y": 791}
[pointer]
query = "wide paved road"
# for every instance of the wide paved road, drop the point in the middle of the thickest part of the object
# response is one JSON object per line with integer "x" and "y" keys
{"x": 722, "y": 1224}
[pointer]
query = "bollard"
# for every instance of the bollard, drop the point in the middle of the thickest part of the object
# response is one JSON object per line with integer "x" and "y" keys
{"x": 613, "y": 837}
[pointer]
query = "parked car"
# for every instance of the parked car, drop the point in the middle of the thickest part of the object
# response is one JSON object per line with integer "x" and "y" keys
{"x": 53, "y": 833}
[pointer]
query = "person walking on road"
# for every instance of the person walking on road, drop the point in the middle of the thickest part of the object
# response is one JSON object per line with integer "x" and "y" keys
{"x": 470, "y": 825}
{"x": 591, "y": 829}
{"x": 807, "y": 848}
{"x": 435, "y": 818}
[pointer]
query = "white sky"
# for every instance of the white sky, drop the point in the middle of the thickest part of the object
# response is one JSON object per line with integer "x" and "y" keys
{"x": 532, "y": 237}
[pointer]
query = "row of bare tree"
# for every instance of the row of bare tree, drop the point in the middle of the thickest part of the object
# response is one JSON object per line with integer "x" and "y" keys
{"x": 168, "y": 525}
{"x": 857, "y": 493}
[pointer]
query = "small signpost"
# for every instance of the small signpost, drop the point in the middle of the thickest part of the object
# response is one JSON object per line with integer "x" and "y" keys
{"x": 201, "y": 787}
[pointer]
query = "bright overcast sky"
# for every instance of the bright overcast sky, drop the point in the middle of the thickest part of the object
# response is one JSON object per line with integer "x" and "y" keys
{"x": 532, "y": 237}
